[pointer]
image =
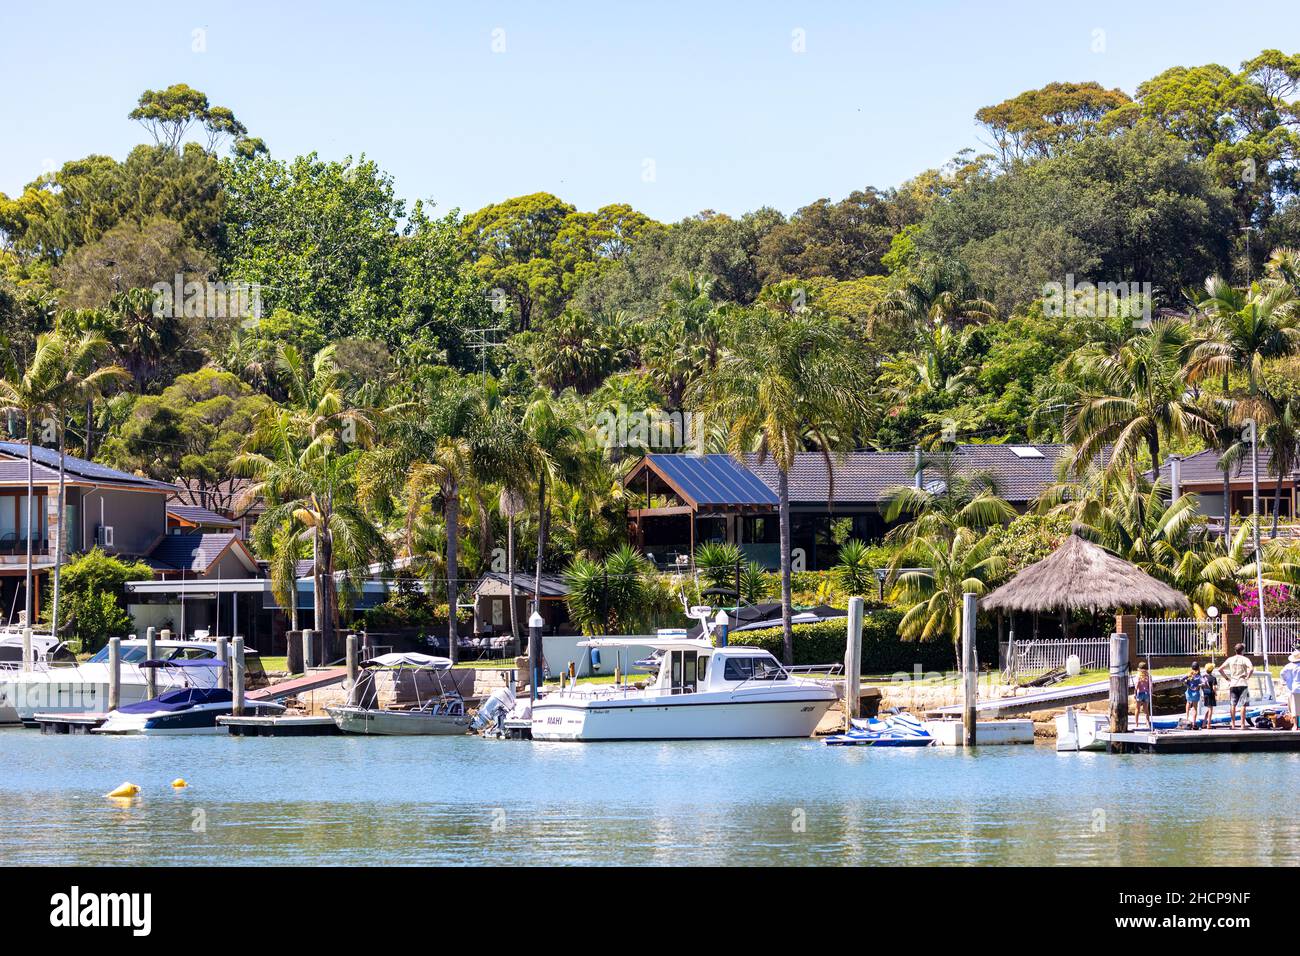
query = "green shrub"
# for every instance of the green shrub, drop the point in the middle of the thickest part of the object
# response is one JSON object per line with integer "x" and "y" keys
{"x": 92, "y": 598}
{"x": 883, "y": 651}
{"x": 717, "y": 563}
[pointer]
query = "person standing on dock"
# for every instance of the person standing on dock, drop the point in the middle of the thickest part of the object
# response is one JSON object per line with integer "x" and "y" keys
{"x": 1290, "y": 677}
{"x": 1192, "y": 684}
{"x": 1142, "y": 696}
{"x": 1210, "y": 693}
{"x": 1237, "y": 669}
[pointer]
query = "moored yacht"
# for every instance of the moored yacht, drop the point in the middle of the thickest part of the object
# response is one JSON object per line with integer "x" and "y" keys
{"x": 701, "y": 692}
{"x": 82, "y": 688}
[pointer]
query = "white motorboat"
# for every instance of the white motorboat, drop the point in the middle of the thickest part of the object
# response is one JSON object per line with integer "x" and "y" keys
{"x": 701, "y": 692}
{"x": 185, "y": 710}
{"x": 1077, "y": 729}
{"x": 71, "y": 688}
{"x": 438, "y": 712}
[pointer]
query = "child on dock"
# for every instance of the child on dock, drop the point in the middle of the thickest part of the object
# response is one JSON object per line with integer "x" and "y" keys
{"x": 1192, "y": 685}
{"x": 1142, "y": 695}
{"x": 1209, "y": 693}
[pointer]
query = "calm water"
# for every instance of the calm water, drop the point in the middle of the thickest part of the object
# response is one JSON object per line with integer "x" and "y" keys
{"x": 464, "y": 800}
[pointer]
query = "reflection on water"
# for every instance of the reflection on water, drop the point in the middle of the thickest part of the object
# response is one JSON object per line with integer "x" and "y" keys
{"x": 435, "y": 800}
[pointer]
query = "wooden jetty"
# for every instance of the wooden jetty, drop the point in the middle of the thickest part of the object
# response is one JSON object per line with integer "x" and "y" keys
{"x": 68, "y": 723}
{"x": 282, "y": 725}
{"x": 313, "y": 680}
{"x": 1050, "y": 699}
{"x": 1202, "y": 741}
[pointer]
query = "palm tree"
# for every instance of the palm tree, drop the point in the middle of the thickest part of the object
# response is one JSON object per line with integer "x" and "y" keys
{"x": 32, "y": 392}
{"x": 1282, "y": 436}
{"x": 942, "y": 293}
{"x": 943, "y": 571}
{"x": 782, "y": 378}
{"x": 962, "y": 500}
{"x": 79, "y": 380}
{"x": 1133, "y": 399}
{"x": 1243, "y": 330}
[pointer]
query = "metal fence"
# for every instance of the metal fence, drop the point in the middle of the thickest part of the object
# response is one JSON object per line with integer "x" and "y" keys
{"x": 1028, "y": 657}
{"x": 1283, "y": 635}
{"x": 1178, "y": 637}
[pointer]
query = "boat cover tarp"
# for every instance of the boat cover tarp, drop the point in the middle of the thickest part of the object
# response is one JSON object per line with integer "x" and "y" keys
{"x": 408, "y": 660}
{"x": 180, "y": 699}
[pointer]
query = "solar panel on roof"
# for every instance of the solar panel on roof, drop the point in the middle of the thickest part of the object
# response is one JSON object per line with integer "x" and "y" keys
{"x": 77, "y": 466}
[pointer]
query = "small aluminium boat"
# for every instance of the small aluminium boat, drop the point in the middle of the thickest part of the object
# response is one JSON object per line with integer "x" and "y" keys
{"x": 896, "y": 729}
{"x": 437, "y": 710}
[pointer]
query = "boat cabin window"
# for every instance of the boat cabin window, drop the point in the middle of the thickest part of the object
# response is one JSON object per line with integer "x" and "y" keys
{"x": 701, "y": 669}
{"x": 191, "y": 654}
{"x": 132, "y": 654}
{"x": 752, "y": 668}
{"x": 684, "y": 671}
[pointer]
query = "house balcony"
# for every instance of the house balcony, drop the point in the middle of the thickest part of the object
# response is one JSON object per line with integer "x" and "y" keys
{"x": 13, "y": 550}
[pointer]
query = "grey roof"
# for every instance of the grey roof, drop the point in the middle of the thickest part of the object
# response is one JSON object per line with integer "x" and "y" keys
{"x": 1203, "y": 468}
{"x": 866, "y": 476}
{"x": 15, "y": 472}
{"x": 552, "y": 585}
{"x": 77, "y": 467}
{"x": 190, "y": 551}
{"x": 200, "y": 516}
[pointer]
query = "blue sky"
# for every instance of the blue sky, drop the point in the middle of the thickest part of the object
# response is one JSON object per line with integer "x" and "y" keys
{"x": 673, "y": 107}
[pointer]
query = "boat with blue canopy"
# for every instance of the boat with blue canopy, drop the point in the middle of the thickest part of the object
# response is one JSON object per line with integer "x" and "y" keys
{"x": 183, "y": 710}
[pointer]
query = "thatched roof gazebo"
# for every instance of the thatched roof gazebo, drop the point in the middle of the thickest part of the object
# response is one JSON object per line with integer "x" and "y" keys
{"x": 1082, "y": 576}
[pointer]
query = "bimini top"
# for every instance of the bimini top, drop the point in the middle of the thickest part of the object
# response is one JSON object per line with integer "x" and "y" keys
{"x": 408, "y": 660}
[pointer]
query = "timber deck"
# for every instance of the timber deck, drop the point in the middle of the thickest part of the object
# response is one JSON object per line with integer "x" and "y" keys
{"x": 1204, "y": 741}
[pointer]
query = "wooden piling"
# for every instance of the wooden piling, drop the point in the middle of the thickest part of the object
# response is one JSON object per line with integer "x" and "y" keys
{"x": 853, "y": 664}
{"x": 354, "y": 669}
{"x": 970, "y": 676}
{"x": 151, "y": 673}
{"x": 308, "y": 650}
{"x": 28, "y": 658}
{"x": 1118, "y": 686}
{"x": 223, "y": 655}
{"x": 114, "y": 673}
{"x": 237, "y": 679}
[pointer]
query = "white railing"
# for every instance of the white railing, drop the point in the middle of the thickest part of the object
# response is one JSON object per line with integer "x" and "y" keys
{"x": 1283, "y": 635}
{"x": 1178, "y": 637}
{"x": 1027, "y": 657}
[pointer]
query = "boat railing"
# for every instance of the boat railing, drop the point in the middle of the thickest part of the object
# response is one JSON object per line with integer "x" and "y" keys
{"x": 816, "y": 671}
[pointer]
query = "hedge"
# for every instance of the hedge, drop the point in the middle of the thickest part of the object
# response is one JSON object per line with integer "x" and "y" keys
{"x": 883, "y": 651}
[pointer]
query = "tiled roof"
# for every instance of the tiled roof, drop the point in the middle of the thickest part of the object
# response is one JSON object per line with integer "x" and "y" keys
{"x": 1203, "y": 468}
{"x": 200, "y": 516}
{"x": 15, "y": 472}
{"x": 193, "y": 551}
{"x": 1021, "y": 472}
{"x": 77, "y": 467}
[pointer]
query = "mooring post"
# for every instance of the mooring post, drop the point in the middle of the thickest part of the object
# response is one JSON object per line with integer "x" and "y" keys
{"x": 151, "y": 673}
{"x": 853, "y": 664}
{"x": 970, "y": 676}
{"x": 1118, "y": 687}
{"x": 535, "y": 624}
{"x": 223, "y": 655}
{"x": 308, "y": 650}
{"x": 354, "y": 669}
{"x": 28, "y": 659}
{"x": 237, "y": 679}
{"x": 114, "y": 673}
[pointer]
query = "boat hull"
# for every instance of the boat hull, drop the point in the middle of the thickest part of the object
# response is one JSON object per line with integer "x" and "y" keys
{"x": 677, "y": 718}
{"x": 397, "y": 723}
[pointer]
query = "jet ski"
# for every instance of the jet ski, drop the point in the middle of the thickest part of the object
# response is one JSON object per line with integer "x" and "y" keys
{"x": 895, "y": 729}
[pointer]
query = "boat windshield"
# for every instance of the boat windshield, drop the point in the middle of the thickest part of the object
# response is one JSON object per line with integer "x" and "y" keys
{"x": 135, "y": 654}
{"x": 753, "y": 668}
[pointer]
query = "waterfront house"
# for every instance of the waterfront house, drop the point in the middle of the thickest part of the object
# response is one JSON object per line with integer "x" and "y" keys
{"x": 492, "y": 602}
{"x": 121, "y": 513}
{"x": 1200, "y": 475}
{"x": 685, "y": 500}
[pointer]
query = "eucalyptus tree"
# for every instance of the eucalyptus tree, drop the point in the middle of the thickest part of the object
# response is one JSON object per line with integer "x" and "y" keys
{"x": 781, "y": 378}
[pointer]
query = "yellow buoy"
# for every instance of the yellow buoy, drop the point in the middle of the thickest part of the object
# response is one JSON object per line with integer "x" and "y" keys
{"x": 179, "y": 783}
{"x": 124, "y": 790}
